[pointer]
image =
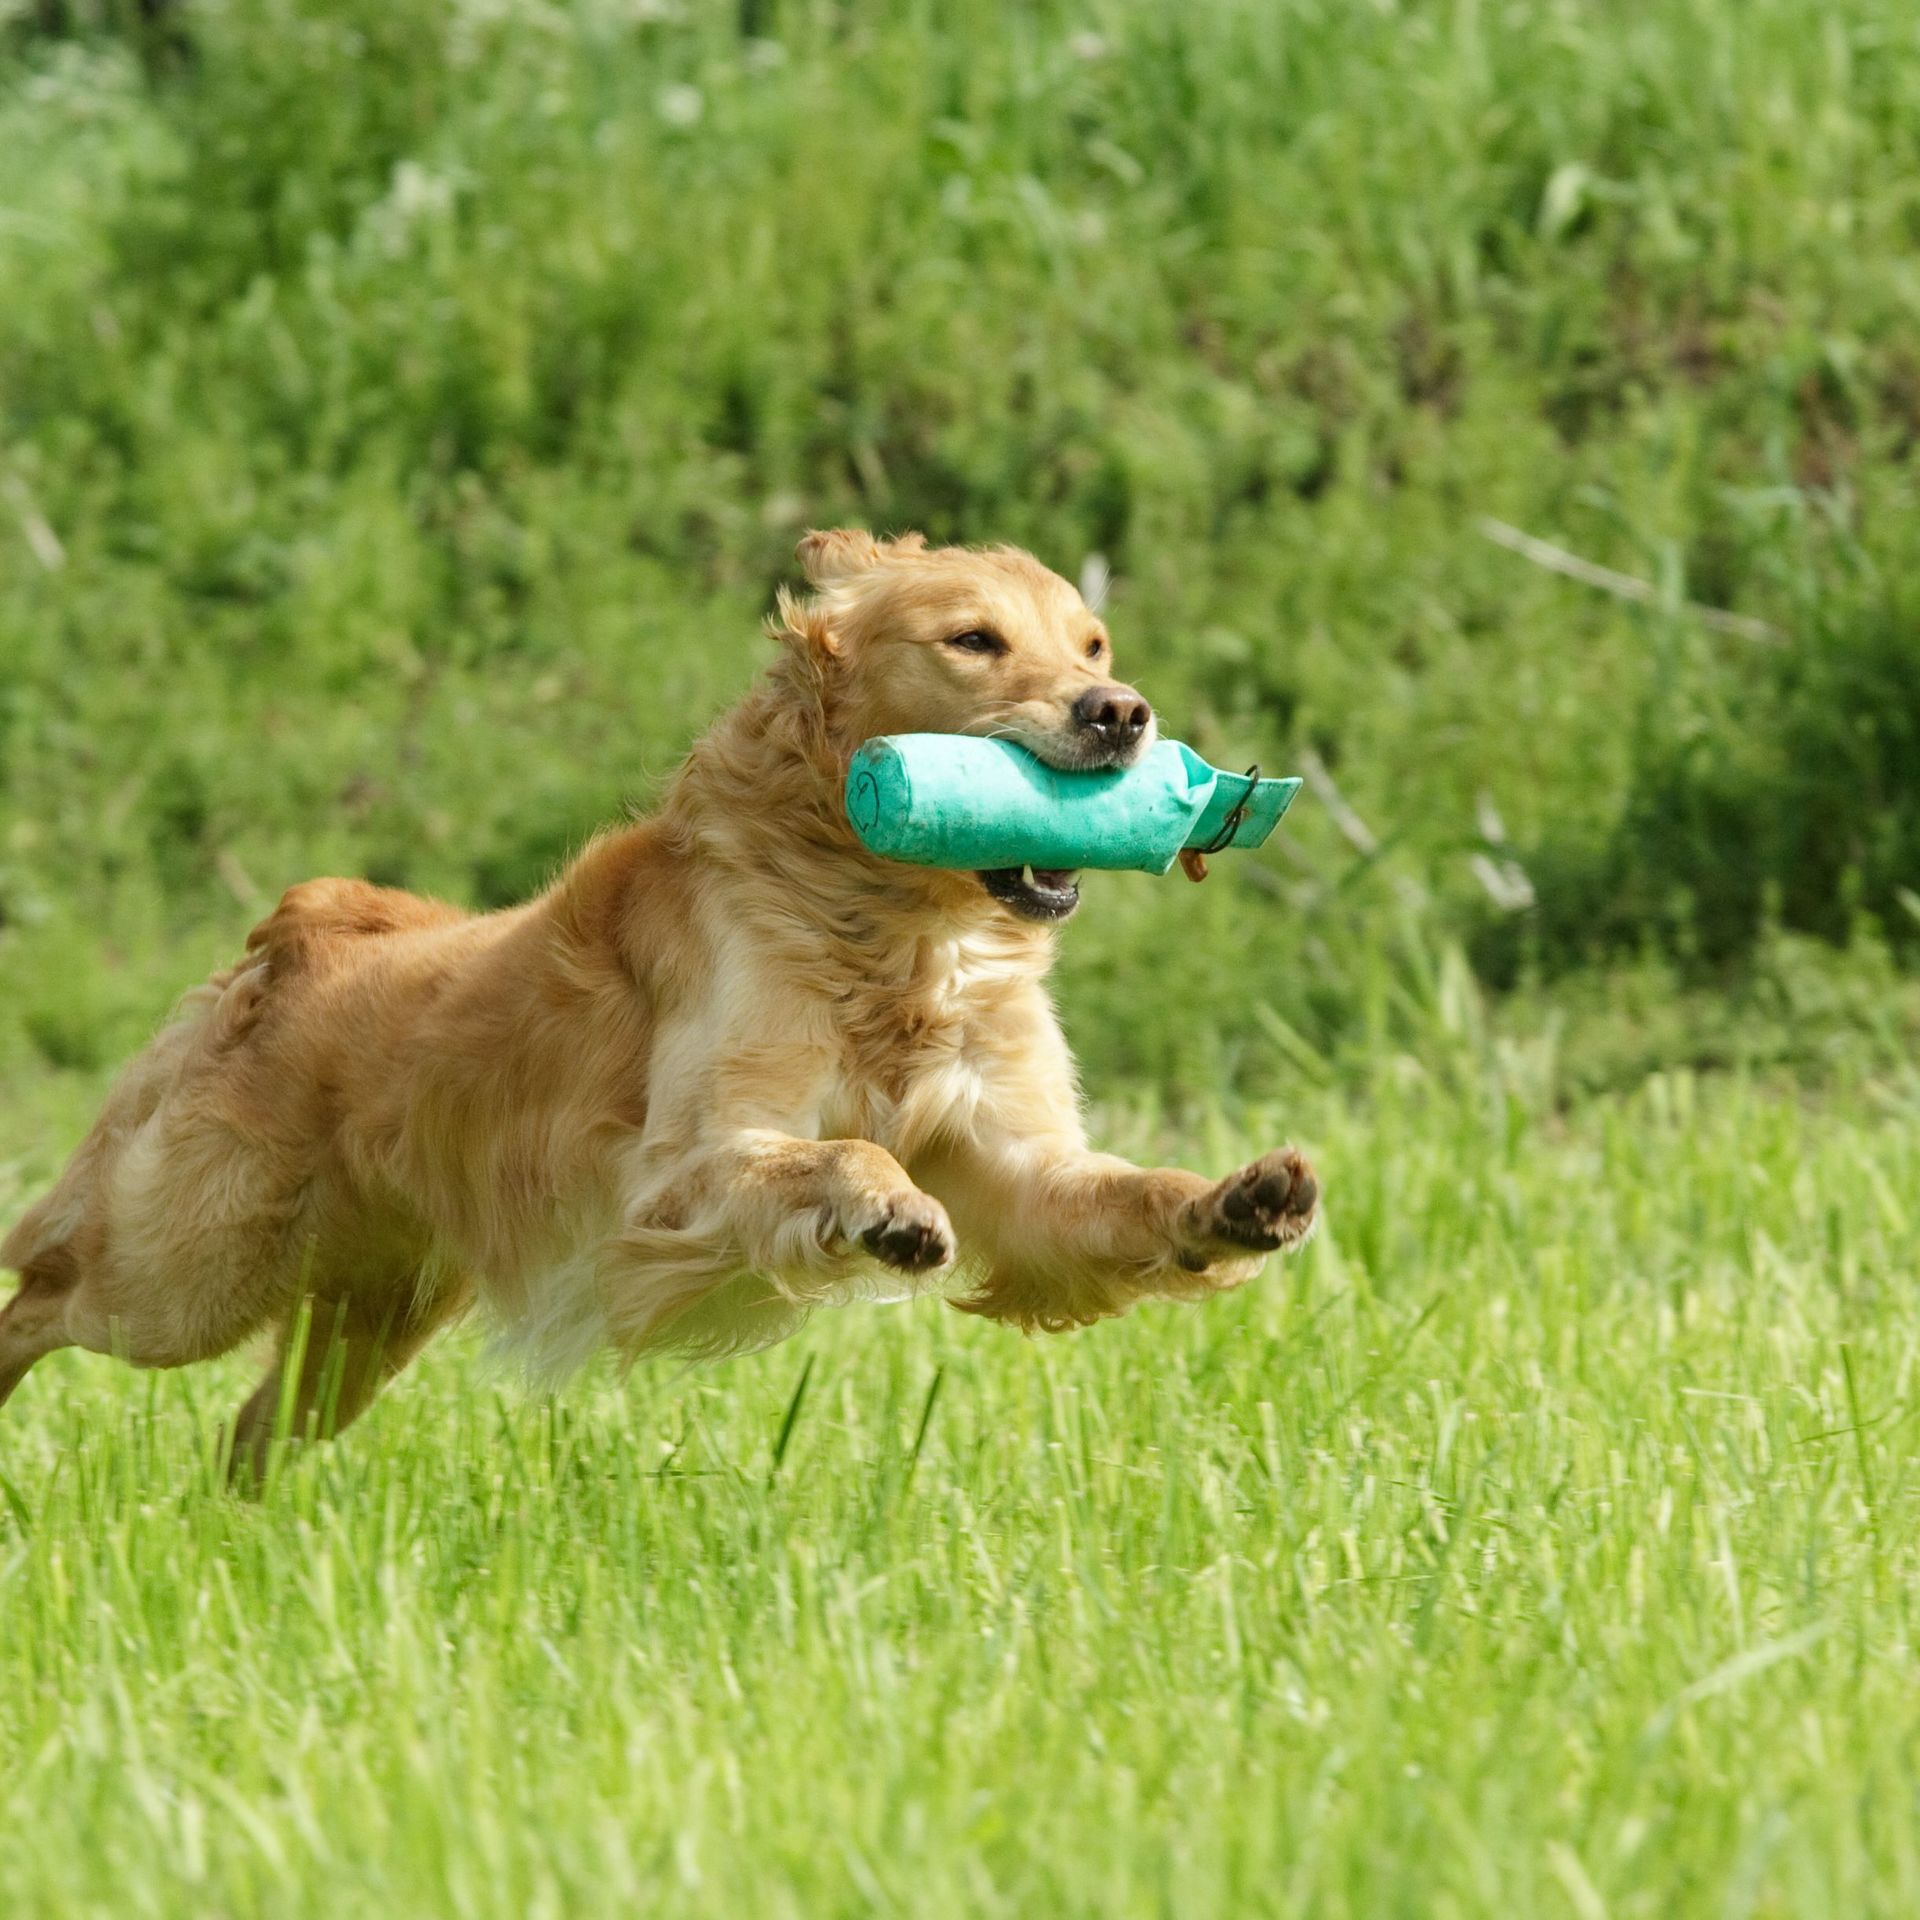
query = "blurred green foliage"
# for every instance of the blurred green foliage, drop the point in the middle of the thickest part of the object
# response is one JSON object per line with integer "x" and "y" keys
{"x": 1788, "y": 795}
{"x": 407, "y": 409}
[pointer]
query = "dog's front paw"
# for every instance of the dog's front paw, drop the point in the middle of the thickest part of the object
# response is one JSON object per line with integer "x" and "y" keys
{"x": 1273, "y": 1202}
{"x": 911, "y": 1233}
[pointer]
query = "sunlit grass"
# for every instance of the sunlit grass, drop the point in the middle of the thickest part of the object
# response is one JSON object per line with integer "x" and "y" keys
{"x": 1545, "y": 1540}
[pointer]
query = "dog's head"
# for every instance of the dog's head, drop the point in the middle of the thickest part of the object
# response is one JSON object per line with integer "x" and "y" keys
{"x": 908, "y": 638}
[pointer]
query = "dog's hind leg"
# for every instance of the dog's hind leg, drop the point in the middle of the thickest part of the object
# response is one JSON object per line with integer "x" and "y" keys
{"x": 349, "y": 1348}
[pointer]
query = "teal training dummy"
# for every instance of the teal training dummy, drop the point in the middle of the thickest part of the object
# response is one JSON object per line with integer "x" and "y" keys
{"x": 949, "y": 800}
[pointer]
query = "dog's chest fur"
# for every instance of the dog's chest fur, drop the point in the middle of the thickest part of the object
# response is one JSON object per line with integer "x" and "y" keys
{"x": 911, "y": 1065}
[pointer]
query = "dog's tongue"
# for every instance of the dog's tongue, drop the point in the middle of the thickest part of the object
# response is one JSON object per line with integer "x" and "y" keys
{"x": 1055, "y": 878}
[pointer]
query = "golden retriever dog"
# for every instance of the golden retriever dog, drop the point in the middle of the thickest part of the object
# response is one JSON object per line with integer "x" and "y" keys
{"x": 729, "y": 1067}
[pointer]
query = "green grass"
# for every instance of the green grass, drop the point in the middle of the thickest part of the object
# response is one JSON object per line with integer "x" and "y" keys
{"x": 1545, "y": 1541}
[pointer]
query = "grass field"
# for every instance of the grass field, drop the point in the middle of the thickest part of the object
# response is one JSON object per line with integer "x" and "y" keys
{"x": 407, "y": 409}
{"x": 1543, "y": 1542}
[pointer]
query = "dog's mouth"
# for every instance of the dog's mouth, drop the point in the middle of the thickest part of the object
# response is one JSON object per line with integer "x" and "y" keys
{"x": 1034, "y": 893}
{"x": 1083, "y": 752}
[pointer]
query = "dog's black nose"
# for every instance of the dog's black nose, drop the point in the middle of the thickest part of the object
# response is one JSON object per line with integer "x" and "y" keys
{"x": 1116, "y": 716}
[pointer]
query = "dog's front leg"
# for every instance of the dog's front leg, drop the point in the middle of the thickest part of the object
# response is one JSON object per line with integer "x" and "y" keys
{"x": 797, "y": 1215}
{"x": 785, "y": 1205}
{"x": 1064, "y": 1236}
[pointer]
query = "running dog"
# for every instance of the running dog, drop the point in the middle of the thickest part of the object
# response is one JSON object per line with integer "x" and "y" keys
{"x": 729, "y": 1067}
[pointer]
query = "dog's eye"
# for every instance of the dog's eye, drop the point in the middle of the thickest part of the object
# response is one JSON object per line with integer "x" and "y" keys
{"x": 1096, "y": 647}
{"x": 976, "y": 641}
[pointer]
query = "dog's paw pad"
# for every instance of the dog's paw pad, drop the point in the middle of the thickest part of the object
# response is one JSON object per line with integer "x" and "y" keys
{"x": 1269, "y": 1204}
{"x": 911, "y": 1235}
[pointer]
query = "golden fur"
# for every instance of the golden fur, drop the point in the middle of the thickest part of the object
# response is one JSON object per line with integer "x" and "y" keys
{"x": 727, "y": 1068}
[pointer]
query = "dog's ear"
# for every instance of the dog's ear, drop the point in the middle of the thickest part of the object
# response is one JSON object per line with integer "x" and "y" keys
{"x": 830, "y": 557}
{"x": 827, "y": 558}
{"x": 804, "y": 625}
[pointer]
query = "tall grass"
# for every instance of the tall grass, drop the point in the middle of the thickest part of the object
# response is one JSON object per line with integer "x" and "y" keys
{"x": 1541, "y": 1542}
